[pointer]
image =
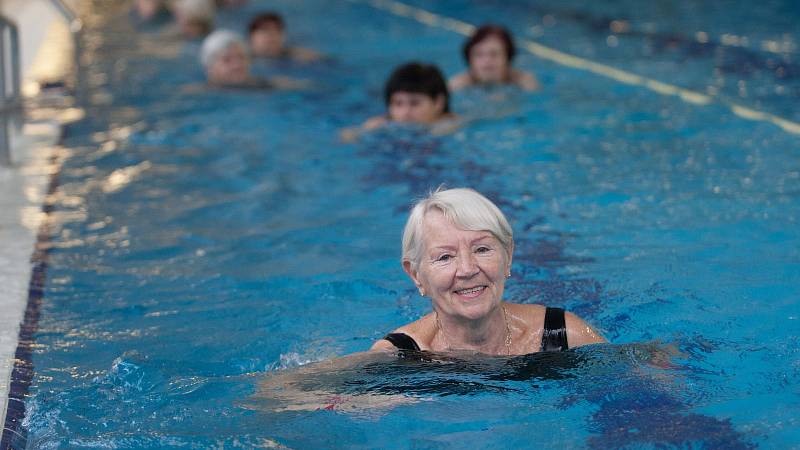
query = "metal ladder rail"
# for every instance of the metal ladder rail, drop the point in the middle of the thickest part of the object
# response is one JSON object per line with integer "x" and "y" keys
{"x": 10, "y": 96}
{"x": 10, "y": 71}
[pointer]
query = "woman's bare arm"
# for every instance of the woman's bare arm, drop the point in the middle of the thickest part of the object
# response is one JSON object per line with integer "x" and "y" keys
{"x": 581, "y": 333}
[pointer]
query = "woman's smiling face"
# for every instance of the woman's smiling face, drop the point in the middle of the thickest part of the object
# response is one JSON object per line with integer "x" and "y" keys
{"x": 462, "y": 271}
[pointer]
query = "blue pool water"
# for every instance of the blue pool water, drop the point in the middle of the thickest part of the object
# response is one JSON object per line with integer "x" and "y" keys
{"x": 206, "y": 248}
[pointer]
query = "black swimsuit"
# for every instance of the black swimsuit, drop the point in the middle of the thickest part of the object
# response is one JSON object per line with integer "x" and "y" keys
{"x": 554, "y": 336}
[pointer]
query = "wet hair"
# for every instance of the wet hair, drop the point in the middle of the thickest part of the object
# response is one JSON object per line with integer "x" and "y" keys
{"x": 418, "y": 78}
{"x": 216, "y": 43}
{"x": 483, "y": 32}
{"x": 466, "y": 208}
{"x": 264, "y": 20}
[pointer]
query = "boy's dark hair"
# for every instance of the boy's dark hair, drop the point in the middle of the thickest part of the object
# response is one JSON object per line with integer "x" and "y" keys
{"x": 418, "y": 78}
{"x": 485, "y": 31}
{"x": 264, "y": 20}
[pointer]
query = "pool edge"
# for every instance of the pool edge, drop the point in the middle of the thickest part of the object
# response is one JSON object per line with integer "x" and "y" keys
{"x": 24, "y": 191}
{"x": 37, "y": 179}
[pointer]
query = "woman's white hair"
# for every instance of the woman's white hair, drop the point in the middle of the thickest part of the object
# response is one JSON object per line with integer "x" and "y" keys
{"x": 216, "y": 43}
{"x": 466, "y": 208}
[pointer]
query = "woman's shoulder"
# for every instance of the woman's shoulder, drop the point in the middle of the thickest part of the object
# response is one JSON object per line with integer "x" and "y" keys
{"x": 534, "y": 314}
{"x": 579, "y": 332}
{"x": 525, "y": 80}
{"x": 531, "y": 313}
{"x": 421, "y": 331}
{"x": 459, "y": 81}
{"x": 530, "y": 319}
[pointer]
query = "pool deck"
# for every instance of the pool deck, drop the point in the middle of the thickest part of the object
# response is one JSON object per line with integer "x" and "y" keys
{"x": 44, "y": 39}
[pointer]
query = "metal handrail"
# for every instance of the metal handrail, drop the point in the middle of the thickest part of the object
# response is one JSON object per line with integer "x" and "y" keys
{"x": 10, "y": 70}
{"x": 9, "y": 40}
{"x": 9, "y": 98}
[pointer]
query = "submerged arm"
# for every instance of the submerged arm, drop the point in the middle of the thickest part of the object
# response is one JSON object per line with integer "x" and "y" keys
{"x": 323, "y": 386}
{"x": 351, "y": 134}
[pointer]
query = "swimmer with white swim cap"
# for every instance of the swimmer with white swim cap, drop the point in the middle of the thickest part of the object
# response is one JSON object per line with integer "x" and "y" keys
{"x": 195, "y": 17}
{"x": 225, "y": 57}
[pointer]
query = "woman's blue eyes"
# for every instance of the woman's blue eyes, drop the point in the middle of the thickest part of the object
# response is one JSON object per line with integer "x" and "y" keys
{"x": 448, "y": 257}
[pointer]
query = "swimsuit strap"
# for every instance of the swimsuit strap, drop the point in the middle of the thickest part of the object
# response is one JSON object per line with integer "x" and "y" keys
{"x": 402, "y": 341}
{"x": 554, "y": 335}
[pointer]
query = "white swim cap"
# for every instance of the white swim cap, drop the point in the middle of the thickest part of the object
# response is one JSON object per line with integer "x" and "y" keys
{"x": 216, "y": 43}
{"x": 196, "y": 9}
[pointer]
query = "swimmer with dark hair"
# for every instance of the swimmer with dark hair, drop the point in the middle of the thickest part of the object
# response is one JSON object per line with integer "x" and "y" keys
{"x": 230, "y": 3}
{"x": 415, "y": 93}
{"x": 488, "y": 54}
{"x": 267, "y": 36}
{"x": 225, "y": 57}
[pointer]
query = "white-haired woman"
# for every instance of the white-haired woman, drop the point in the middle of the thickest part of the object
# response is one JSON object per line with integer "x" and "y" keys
{"x": 457, "y": 249}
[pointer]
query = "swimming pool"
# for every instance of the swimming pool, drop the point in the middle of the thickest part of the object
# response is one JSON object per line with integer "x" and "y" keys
{"x": 200, "y": 242}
